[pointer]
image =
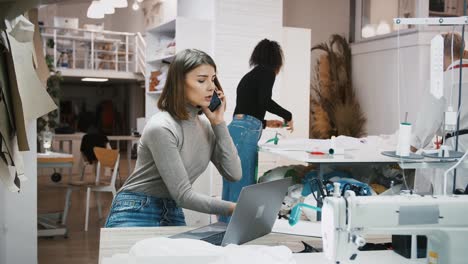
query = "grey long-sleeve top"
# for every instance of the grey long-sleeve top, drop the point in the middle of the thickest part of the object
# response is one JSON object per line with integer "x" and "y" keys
{"x": 173, "y": 153}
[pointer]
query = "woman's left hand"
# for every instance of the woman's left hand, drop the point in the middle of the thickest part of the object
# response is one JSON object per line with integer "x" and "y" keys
{"x": 216, "y": 117}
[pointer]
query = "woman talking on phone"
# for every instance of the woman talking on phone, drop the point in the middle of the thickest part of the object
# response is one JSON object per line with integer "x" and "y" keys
{"x": 175, "y": 148}
{"x": 253, "y": 101}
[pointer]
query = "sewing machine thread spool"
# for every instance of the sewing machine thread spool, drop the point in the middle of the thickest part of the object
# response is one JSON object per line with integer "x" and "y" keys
{"x": 444, "y": 151}
{"x": 336, "y": 189}
{"x": 404, "y": 135}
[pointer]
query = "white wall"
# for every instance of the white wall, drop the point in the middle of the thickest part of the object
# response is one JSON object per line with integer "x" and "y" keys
{"x": 158, "y": 12}
{"x": 239, "y": 26}
{"x": 295, "y": 92}
{"x": 324, "y": 18}
{"x": 375, "y": 78}
{"x": 199, "y": 9}
{"x": 382, "y": 10}
{"x": 18, "y": 212}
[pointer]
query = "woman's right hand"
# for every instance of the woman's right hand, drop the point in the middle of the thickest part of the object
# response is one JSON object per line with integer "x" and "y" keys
{"x": 232, "y": 206}
{"x": 290, "y": 125}
{"x": 217, "y": 116}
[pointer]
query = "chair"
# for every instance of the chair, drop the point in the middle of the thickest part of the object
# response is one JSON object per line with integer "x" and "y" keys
{"x": 88, "y": 142}
{"x": 107, "y": 158}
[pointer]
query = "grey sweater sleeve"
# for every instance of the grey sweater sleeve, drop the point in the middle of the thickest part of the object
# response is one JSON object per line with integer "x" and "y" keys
{"x": 225, "y": 156}
{"x": 162, "y": 143}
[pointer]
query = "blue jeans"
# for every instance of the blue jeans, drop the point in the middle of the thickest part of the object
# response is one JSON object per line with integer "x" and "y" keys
{"x": 245, "y": 131}
{"x": 130, "y": 209}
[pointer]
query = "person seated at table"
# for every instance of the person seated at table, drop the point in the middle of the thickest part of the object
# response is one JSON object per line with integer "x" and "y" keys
{"x": 176, "y": 147}
{"x": 430, "y": 120}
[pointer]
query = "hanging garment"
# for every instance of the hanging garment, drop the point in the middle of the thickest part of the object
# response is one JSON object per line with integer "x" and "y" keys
{"x": 36, "y": 101}
{"x": 430, "y": 122}
{"x": 24, "y": 98}
{"x": 10, "y": 108}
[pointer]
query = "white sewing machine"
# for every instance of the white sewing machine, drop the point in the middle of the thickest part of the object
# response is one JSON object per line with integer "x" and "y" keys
{"x": 443, "y": 219}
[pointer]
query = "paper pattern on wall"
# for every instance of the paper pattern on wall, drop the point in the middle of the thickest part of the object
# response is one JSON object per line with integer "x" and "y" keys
{"x": 40, "y": 65}
{"x": 11, "y": 119}
{"x": 28, "y": 100}
{"x": 14, "y": 104}
{"x": 8, "y": 171}
{"x": 35, "y": 99}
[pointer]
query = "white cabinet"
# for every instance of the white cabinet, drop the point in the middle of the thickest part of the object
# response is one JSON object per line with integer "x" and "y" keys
{"x": 163, "y": 42}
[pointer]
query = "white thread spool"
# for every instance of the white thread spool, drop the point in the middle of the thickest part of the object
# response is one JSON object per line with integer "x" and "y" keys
{"x": 404, "y": 135}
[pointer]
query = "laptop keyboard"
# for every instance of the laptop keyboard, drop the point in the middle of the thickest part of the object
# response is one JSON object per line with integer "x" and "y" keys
{"x": 215, "y": 239}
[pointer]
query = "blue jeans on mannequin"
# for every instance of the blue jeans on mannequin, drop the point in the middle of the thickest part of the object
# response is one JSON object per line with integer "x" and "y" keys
{"x": 130, "y": 209}
{"x": 245, "y": 131}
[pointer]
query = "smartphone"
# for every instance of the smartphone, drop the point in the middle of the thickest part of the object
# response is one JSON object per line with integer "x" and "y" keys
{"x": 215, "y": 102}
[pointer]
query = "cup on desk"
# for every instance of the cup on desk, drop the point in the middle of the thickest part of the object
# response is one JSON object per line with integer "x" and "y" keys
{"x": 47, "y": 137}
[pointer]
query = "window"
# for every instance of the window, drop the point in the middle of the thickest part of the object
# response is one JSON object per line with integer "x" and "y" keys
{"x": 375, "y": 17}
{"x": 445, "y": 8}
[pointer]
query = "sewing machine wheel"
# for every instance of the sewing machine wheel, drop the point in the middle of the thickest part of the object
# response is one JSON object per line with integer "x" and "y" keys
{"x": 56, "y": 177}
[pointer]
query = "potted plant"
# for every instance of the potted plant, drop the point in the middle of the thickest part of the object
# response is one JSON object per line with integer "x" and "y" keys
{"x": 335, "y": 109}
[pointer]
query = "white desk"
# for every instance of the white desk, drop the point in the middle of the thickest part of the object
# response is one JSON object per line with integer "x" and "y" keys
{"x": 120, "y": 240}
{"x": 368, "y": 257}
{"x": 364, "y": 154}
{"x": 53, "y": 160}
{"x": 56, "y": 160}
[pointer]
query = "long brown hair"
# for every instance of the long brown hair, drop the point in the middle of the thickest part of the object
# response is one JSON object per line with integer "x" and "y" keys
{"x": 172, "y": 97}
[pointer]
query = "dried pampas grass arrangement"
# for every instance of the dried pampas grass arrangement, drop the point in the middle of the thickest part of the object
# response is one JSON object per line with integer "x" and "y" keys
{"x": 334, "y": 108}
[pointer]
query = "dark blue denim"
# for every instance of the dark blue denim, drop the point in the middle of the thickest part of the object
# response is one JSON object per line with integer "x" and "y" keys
{"x": 245, "y": 132}
{"x": 130, "y": 209}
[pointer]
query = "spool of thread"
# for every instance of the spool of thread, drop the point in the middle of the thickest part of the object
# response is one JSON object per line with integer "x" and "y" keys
{"x": 404, "y": 135}
{"x": 336, "y": 189}
{"x": 332, "y": 142}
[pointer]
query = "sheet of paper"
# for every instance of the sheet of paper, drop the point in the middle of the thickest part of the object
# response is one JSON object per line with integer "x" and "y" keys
{"x": 302, "y": 228}
{"x": 299, "y": 145}
{"x": 341, "y": 142}
{"x": 34, "y": 97}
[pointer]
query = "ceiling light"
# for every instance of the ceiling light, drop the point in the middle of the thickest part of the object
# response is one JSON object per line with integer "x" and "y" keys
{"x": 95, "y": 10}
{"x": 139, "y": 1}
{"x": 120, "y": 3}
{"x": 135, "y": 6}
{"x": 94, "y": 79}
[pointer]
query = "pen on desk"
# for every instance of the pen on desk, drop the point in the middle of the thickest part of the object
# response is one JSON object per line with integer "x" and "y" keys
{"x": 317, "y": 153}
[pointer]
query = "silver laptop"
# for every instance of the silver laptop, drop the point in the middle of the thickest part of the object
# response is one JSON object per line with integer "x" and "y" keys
{"x": 254, "y": 216}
